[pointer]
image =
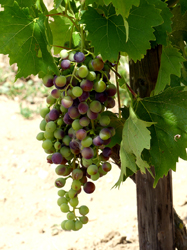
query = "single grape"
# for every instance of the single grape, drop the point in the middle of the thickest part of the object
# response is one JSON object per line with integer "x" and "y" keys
{"x": 97, "y": 141}
{"x": 78, "y": 225}
{"x": 54, "y": 114}
{"x": 76, "y": 185}
{"x": 71, "y": 132}
{"x": 79, "y": 57}
{"x": 83, "y": 210}
{"x": 73, "y": 112}
{"x": 104, "y": 120}
{"x": 71, "y": 56}
{"x": 49, "y": 135}
{"x": 57, "y": 158}
{"x": 87, "y": 153}
{"x": 74, "y": 147}
{"x": 84, "y": 121}
{"x": 82, "y": 108}
{"x": 109, "y": 103}
{"x": 84, "y": 219}
{"x": 95, "y": 106}
{"x": 95, "y": 177}
{"x": 85, "y": 95}
{"x": 92, "y": 169}
{"x": 81, "y": 134}
{"x": 63, "y": 109}
{"x": 64, "y": 207}
{"x": 50, "y": 100}
{"x": 42, "y": 125}
{"x": 83, "y": 180}
{"x": 44, "y": 112}
{"x": 106, "y": 142}
{"x": 55, "y": 93}
{"x": 105, "y": 134}
{"x": 60, "y": 182}
{"x": 40, "y": 136}
{"x": 77, "y": 174}
{"x": 86, "y": 142}
{"x": 92, "y": 115}
{"x": 83, "y": 71}
{"x": 61, "y": 192}
{"x": 66, "y": 140}
{"x": 63, "y": 170}
{"x": 67, "y": 119}
{"x": 74, "y": 202}
{"x": 69, "y": 93}
{"x": 49, "y": 159}
{"x": 48, "y": 81}
{"x": 63, "y": 224}
{"x": 91, "y": 76}
{"x": 89, "y": 187}
{"x": 77, "y": 91}
{"x": 65, "y": 64}
{"x": 64, "y": 54}
{"x": 65, "y": 151}
{"x": 70, "y": 216}
{"x": 76, "y": 125}
{"x": 86, "y": 162}
{"x": 97, "y": 64}
{"x": 106, "y": 166}
{"x": 61, "y": 200}
{"x": 70, "y": 225}
{"x": 47, "y": 144}
{"x": 72, "y": 193}
{"x": 111, "y": 90}
{"x": 60, "y": 82}
{"x": 112, "y": 130}
{"x": 67, "y": 101}
{"x": 50, "y": 127}
{"x": 59, "y": 133}
{"x": 107, "y": 152}
{"x": 99, "y": 86}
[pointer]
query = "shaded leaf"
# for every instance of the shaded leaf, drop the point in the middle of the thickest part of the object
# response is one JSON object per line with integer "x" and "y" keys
{"x": 183, "y": 4}
{"x": 169, "y": 133}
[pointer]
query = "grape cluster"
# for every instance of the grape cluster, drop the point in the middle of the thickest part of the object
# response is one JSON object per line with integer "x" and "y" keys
{"x": 76, "y": 129}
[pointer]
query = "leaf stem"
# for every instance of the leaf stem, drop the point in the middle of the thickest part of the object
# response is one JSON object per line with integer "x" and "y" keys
{"x": 82, "y": 38}
{"x": 117, "y": 84}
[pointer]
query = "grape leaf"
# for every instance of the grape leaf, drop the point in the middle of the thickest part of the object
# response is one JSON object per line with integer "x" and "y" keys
{"x": 107, "y": 33}
{"x": 161, "y": 30}
{"x": 171, "y": 63}
{"x": 60, "y": 27}
{"x": 168, "y": 111}
{"x": 98, "y": 2}
{"x": 6, "y": 2}
{"x": 183, "y": 4}
{"x": 22, "y": 37}
{"x": 57, "y": 3}
{"x": 28, "y": 3}
{"x": 135, "y": 138}
{"x": 141, "y": 20}
{"x": 123, "y": 6}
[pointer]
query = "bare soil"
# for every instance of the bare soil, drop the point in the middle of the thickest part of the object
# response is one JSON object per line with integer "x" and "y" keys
{"x": 29, "y": 215}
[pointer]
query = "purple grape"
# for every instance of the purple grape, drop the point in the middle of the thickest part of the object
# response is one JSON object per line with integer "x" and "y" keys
{"x": 57, "y": 158}
{"x": 97, "y": 64}
{"x": 89, "y": 187}
{"x": 92, "y": 115}
{"x": 49, "y": 159}
{"x": 81, "y": 134}
{"x": 87, "y": 153}
{"x": 97, "y": 141}
{"x": 106, "y": 142}
{"x": 109, "y": 103}
{"x": 67, "y": 102}
{"x": 84, "y": 121}
{"x": 55, "y": 93}
{"x": 65, "y": 64}
{"x": 54, "y": 114}
{"x": 73, "y": 112}
{"x": 103, "y": 158}
{"x": 83, "y": 108}
{"x": 79, "y": 57}
{"x": 48, "y": 81}
{"x": 76, "y": 102}
{"x": 86, "y": 85}
{"x": 111, "y": 90}
{"x": 102, "y": 97}
{"x": 74, "y": 146}
{"x": 107, "y": 152}
{"x": 85, "y": 95}
{"x": 59, "y": 133}
{"x": 67, "y": 119}
{"x": 105, "y": 134}
{"x": 106, "y": 166}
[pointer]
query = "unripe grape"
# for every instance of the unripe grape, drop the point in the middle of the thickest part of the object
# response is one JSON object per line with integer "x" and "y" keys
{"x": 97, "y": 64}
{"x": 61, "y": 193}
{"x": 104, "y": 120}
{"x": 74, "y": 202}
{"x": 77, "y": 91}
{"x": 83, "y": 210}
{"x": 99, "y": 86}
{"x": 48, "y": 81}
{"x": 64, "y": 54}
{"x": 106, "y": 166}
{"x": 76, "y": 185}
{"x": 64, "y": 207}
{"x": 47, "y": 144}
{"x": 42, "y": 125}
{"x": 60, "y": 82}
{"x": 70, "y": 216}
{"x": 95, "y": 177}
{"x": 40, "y": 136}
{"x": 61, "y": 200}
{"x": 84, "y": 219}
{"x": 105, "y": 134}
{"x": 83, "y": 71}
{"x": 92, "y": 169}
{"x": 60, "y": 182}
{"x": 78, "y": 225}
{"x": 77, "y": 174}
{"x": 44, "y": 112}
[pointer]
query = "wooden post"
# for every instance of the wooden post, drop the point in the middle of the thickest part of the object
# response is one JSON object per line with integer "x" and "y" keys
{"x": 154, "y": 206}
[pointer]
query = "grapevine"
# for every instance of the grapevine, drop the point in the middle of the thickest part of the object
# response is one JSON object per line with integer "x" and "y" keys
{"x": 76, "y": 129}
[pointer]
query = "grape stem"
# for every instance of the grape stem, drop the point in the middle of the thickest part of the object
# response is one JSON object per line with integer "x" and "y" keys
{"x": 117, "y": 84}
{"x": 65, "y": 15}
{"x": 82, "y": 38}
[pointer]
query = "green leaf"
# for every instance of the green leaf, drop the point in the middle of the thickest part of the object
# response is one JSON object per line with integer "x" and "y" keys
{"x": 98, "y": 2}
{"x": 57, "y": 3}
{"x": 7, "y": 2}
{"x": 60, "y": 27}
{"x": 106, "y": 33}
{"x": 161, "y": 30}
{"x": 135, "y": 138}
{"x": 123, "y": 6}
{"x": 28, "y": 3}
{"x": 183, "y": 4}
{"x": 141, "y": 21}
{"x": 22, "y": 37}
{"x": 171, "y": 63}
{"x": 168, "y": 111}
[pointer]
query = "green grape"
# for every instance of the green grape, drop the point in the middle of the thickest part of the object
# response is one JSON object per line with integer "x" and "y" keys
{"x": 42, "y": 125}
{"x": 92, "y": 169}
{"x": 76, "y": 125}
{"x": 40, "y": 136}
{"x": 50, "y": 100}
{"x": 66, "y": 140}
{"x": 64, "y": 207}
{"x": 70, "y": 225}
{"x": 63, "y": 224}
{"x": 44, "y": 112}
{"x": 47, "y": 144}
{"x": 76, "y": 185}
{"x": 49, "y": 135}
{"x": 61, "y": 192}
{"x": 61, "y": 200}
{"x": 64, "y": 54}
{"x": 65, "y": 151}
{"x": 91, "y": 76}
{"x": 67, "y": 196}
{"x": 70, "y": 216}
{"x": 83, "y": 210}
{"x": 104, "y": 120}
{"x": 57, "y": 145}
{"x": 72, "y": 193}
{"x": 83, "y": 71}
{"x": 74, "y": 202}
{"x": 86, "y": 142}
{"x": 99, "y": 86}
{"x": 60, "y": 182}
{"x": 63, "y": 109}
{"x": 77, "y": 91}
{"x": 95, "y": 177}
{"x": 60, "y": 122}
{"x": 78, "y": 225}
{"x": 86, "y": 162}
{"x": 84, "y": 219}
{"x": 50, "y": 126}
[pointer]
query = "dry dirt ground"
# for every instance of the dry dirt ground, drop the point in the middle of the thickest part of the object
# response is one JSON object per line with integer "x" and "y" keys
{"x": 29, "y": 216}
